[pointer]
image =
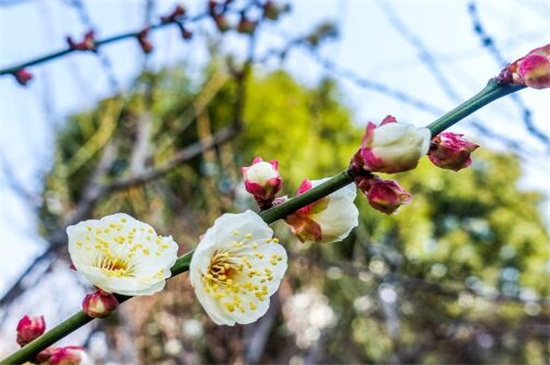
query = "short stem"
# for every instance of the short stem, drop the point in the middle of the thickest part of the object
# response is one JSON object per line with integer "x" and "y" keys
{"x": 490, "y": 93}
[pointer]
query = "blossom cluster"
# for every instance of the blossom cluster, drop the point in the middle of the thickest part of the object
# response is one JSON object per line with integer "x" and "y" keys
{"x": 393, "y": 147}
{"x": 239, "y": 264}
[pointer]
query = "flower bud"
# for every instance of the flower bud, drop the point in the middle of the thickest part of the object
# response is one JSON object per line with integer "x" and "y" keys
{"x": 177, "y": 13}
{"x": 451, "y": 151}
{"x": 99, "y": 304}
{"x": 30, "y": 328}
{"x": 273, "y": 11}
{"x": 69, "y": 355}
{"x": 386, "y": 196}
{"x": 22, "y": 76}
{"x": 144, "y": 43}
{"x": 221, "y": 23}
{"x": 262, "y": 179}
{"x": 88, "y": 43}
{"x": 186, "y": 33}
{"x": 246, "y": 26}
{"x": 327, "y": 220}
{"x": 533, "y": 70}
{"x": 391, "y": 147}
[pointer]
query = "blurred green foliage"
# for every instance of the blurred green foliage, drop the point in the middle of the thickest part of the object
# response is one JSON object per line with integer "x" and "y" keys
{"x": 457, "y": 276}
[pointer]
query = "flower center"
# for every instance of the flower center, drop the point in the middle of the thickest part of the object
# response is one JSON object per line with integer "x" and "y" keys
{"x": 232, "y": 278}
{"x": 114, "y": 266}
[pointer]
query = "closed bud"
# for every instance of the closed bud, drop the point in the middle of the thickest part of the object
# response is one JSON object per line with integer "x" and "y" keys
{"x": 30, "y": 328}
{"x": 144, "y": 43}
{"x": 262, "y": 180}
{"x": 273, "y": 11}
{"x": 177, "y": 13}
{"x": 22, "y": 76}
{"x": 386, "y": 196}
{"x": 533, "y": 70}
{"x": 221, "y": 23}
{"x": 99, "y": 304}
{"x": 391, "y": 147}
{"x": 88, "y": 43}
{"x": 246, "y": 26}
{"x": 186, "y": 33}
{"x": 451, "y": 151}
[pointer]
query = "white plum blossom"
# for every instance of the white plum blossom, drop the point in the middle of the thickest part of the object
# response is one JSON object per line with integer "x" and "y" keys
{"x": 330, "y": 219}
{"x": 392, "y": 147}
{"x": 121, "y": 255}
{"x": 236, "y": 267}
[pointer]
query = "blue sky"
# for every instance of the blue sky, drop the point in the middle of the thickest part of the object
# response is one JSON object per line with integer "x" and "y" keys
{"x": 370, "y": 46}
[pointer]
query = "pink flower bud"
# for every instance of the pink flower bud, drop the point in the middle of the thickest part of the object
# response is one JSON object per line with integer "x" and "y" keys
{"x": 69, "y": 355}
{"x": 391, "y": 147}
{"x": 99, "y": 304}
{"x": 386, "y": 196}
{"x": 533, "y": 70}
{"x": 30, "y": 328}
{"x": 22, "y": 76}
{"x": 451, "y": 151}
{"x": 262, "y": 179}
{"x": 144, "y": 43}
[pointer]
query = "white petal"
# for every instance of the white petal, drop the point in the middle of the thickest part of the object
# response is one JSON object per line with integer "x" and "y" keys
{"x": 340, "y": 216}
{"x": 143, "y": 257}
{"x": 246, "y": 239}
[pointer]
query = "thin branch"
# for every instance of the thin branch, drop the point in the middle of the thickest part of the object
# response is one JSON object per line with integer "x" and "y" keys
{"x": 86, "y": 20}
{"x": 488, "y": 43}
{"x": 409, "y": 99}
{"x": 177, "y": 159}
{"x": 99, "y": 43}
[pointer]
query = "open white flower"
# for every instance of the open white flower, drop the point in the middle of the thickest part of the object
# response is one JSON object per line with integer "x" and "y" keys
{"x": 329, "y": 219}
{"x": 122, "y": 255}
{"x": 236, "y": 267}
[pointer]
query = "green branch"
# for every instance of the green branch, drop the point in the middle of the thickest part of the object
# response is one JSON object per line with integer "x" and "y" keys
{"x": 490, "y": 93}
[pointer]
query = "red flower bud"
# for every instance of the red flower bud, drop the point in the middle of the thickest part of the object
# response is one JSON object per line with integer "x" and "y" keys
{"x": 30, "y": 328}
{"x": 86, "y": 44}
{"x": 99, "y": 304}
{"x": 451, "y": 151}
{"x": 262, "y": 179}
{"x": 386, "y": 196}
{"x": 246, "y": 26}
{"x": 144, "y": 43}
{"x": 533, "y": 70}
{"x": 22, "y": 76}
{"x": 186, "y": 33}
{"x": 178, "y": 12}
